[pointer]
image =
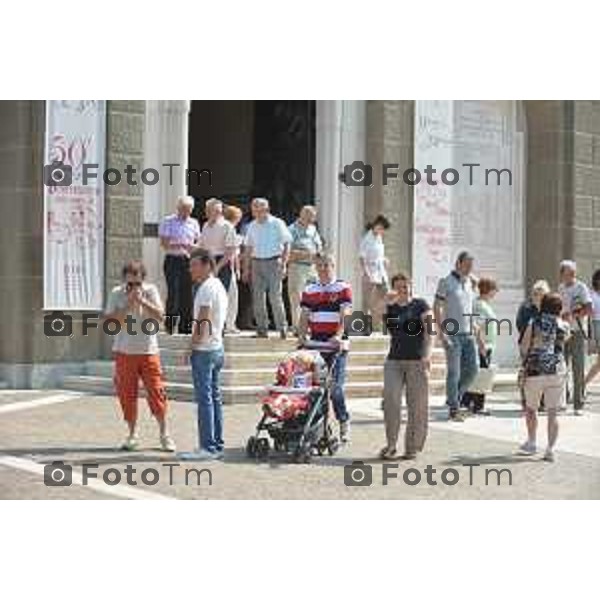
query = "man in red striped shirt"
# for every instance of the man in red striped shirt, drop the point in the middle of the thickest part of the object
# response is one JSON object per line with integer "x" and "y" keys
{"x": 324, "y": 305}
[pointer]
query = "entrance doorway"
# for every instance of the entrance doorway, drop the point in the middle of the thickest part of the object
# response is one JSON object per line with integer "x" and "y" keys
{"x": 254, "y": 148}
{"x": 262, "y": 148}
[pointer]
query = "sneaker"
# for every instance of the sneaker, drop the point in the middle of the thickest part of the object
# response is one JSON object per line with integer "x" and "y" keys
{"x": 345, "y": 432}
{"x": 578, "y": 412}
{"x": 262, "y": 335}
{"x": 198, "y": 455}
{"x": 455, "y": 415}
{"x": 549, "y": 455}
{"x": 167, "y": 444}
{"x": 409, "y": 456}
{"x": 388, "y": 453}
{"x": 283, "y": 334}
{"x": 527, "y": 449}
{"x": 130, "y": 444}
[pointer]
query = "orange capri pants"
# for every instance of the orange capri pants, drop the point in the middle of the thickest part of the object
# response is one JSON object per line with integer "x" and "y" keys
{"x": 129, "y": 369}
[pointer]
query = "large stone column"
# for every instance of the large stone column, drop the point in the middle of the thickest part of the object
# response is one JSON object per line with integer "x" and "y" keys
{"x": 341, "y": 134}
{"x": 166, "y": 142}
{"x": 563, "y": 186}
{"x": 390, "y": 140}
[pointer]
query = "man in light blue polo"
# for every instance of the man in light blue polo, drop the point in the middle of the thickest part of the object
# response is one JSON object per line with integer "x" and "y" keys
{"x": 454, "y": 307}
{"x": 267, "y": 249}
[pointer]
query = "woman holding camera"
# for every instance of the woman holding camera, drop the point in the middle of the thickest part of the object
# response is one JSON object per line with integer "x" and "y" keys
{"x": 136, "y": 351}
{"x": 407, "y": 367}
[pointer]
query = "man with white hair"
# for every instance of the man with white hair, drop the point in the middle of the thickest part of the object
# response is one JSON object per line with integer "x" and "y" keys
{"x": 179, "y": 233}
{"x": 218, "y": 237}
{"x": 577, "y": 306}
{"x": 306, "y": 245}
{"x": 267, "y": 248}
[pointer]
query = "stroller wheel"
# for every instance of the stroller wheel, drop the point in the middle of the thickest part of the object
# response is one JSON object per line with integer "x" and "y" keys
{"x": 251, "y": 446}
{"x": 322, "y": 446}
{"x": 333, "y": 446}
{"x": 262, "y": 448}
{"x": 302, "y": 454}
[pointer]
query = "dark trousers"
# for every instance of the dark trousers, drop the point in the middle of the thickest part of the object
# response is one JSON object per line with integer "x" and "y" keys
{"x": 475, "y": 401}
{"x": 179, "y": 293}
{"x": 575, "y": 358}
{"x": 224, "y": 273}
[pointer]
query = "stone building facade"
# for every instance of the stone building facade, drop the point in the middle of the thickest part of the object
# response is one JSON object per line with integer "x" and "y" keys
{"x": 560, "y": 204}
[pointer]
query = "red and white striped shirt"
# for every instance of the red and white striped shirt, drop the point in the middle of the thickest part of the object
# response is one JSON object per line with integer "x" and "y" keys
{"x": 325, "y": 303}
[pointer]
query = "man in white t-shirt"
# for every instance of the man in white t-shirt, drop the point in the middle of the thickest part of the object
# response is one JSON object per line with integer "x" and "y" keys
{"x": 577, "y": 306}
{"x": 210, "y": 311}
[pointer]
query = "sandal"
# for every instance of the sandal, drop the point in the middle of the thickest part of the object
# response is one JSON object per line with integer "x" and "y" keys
{"x": 388, "y": 453}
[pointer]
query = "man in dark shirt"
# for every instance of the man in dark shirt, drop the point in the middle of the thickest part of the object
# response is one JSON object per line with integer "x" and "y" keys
{"x": 408, "y": 363}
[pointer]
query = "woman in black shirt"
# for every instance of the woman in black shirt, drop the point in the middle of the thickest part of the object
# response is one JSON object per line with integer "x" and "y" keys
{"x": 408, "y": 321}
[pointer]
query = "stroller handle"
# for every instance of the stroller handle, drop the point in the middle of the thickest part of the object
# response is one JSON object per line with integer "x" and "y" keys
{"x": 281, "y": 389}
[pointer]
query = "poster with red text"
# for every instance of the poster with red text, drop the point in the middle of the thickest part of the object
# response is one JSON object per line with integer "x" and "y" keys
{"x": 74, "y": 212}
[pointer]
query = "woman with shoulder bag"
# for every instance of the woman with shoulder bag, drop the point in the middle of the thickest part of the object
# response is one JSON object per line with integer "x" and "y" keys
{"x": 542, "y": 349}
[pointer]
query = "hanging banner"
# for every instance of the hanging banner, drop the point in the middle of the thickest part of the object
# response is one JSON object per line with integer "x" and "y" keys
{"x": 74, "y": 213}
{"x": 432, "y": 244}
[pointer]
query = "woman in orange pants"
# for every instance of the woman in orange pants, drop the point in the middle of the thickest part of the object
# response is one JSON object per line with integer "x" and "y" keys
{"x": 137, "y": 304}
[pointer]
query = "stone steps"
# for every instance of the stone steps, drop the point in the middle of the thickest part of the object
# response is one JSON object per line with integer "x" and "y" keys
{"x": 250, "y": 365}
{"x": 258, "y": 376}
{"x": 238, "y": 394}
{"x": 246, "y": 342}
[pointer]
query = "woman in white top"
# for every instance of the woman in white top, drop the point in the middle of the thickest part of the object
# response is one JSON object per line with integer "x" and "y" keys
{"x": 594, "y": 328}
{"x": 374, "y": 266}
{"x": 234, "y": 215}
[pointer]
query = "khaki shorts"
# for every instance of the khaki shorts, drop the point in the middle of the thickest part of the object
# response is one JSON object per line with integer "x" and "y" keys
{"x": 552, "y": 387}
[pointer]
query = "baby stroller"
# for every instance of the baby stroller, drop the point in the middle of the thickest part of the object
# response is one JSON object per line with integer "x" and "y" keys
{"x": 296, "y": 410}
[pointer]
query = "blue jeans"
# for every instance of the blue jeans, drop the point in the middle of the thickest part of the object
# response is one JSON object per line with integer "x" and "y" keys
{"x": 206, "y": 374}
{"x": 462, "y": 360}
{"x": 338, "y": 363}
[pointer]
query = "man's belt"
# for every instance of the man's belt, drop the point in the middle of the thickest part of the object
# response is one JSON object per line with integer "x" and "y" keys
{"x": 270, "y": 258}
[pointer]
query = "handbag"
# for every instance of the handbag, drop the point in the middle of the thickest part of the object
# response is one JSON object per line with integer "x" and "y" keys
{"x": 484, "y": 381}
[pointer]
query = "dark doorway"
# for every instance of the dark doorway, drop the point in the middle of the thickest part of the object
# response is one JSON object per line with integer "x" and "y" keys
{"x": 256, "y": 148}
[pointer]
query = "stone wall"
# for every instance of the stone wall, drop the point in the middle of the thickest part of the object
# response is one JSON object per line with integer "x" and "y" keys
{"x": 390, "y": 139}
{"x": 27, "y": 357}
{"x": 563, "y": 187}
{"x": 124, "y": 203}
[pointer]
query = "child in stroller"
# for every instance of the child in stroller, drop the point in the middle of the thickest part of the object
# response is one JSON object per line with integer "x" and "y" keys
{"x": 296, "y": 409}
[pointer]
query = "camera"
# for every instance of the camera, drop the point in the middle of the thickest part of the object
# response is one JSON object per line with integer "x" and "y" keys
{"x": 358, "y": 324}
{"x": 358, "y": 174}
{"x": 58, "y": 174}
{"x": 58, "y": 324}
{"x": 58, "y": 474}
{"x": 358, "y": 474}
